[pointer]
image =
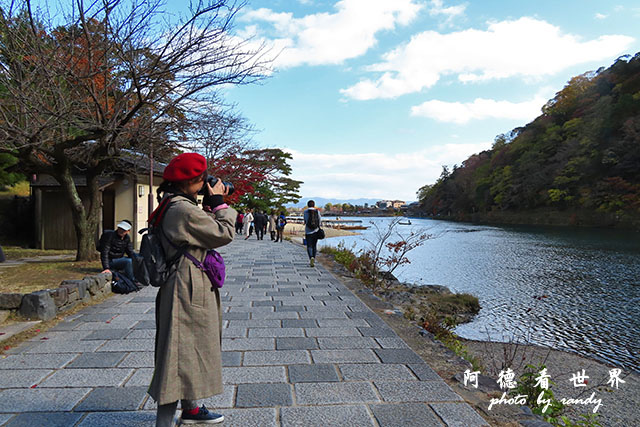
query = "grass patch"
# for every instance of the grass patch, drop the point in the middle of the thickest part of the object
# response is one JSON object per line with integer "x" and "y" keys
{"x": 18, "y": 252}
{"x": 35, "y": 276}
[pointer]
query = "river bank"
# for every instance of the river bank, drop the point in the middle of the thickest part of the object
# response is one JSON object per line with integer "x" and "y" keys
{"x": 544, "y": 216}
{"x": 617, "y": 407}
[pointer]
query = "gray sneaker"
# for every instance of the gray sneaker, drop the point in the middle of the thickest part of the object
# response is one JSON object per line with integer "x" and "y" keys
{"x": 313, "y": 262}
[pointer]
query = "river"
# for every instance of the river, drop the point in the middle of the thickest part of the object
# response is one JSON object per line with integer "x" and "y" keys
{"x": 588, "y": 281}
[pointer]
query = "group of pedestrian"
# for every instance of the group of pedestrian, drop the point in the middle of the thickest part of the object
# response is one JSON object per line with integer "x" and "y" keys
{"x": 259, "y": 222}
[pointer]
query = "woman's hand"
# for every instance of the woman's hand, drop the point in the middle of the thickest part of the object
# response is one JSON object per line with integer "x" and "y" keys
{"x": 218, "y": 188}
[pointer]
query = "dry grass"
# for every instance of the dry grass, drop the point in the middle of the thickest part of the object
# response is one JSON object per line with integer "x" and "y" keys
{"x": 17, "y": 252}
{"x": 35, "y": 276}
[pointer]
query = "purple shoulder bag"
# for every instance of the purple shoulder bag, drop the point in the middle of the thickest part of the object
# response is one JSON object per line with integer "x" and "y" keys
{"x": 213, "y": 267}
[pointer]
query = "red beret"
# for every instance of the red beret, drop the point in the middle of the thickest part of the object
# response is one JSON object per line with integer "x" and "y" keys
{"x": 185, "y": 166}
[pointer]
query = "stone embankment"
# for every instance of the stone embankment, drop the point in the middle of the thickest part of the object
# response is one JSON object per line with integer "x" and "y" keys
{"x": 47, "y": 303}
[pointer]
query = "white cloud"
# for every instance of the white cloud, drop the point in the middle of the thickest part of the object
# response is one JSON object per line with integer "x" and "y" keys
{"x": 331, "y": 38}
{"x": 480, "y": 108}
{"x": 527, "y": 48}
{"x": 451, "y": 12}
{"x": 376, "y": 175}
{"x": 600, "y": 16}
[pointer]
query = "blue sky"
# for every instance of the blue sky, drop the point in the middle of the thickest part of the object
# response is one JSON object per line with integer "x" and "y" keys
{"x": 372, "y": 97}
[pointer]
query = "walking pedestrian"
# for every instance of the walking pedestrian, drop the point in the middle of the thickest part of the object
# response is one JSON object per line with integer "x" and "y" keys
{"x": 188, "y": 358}
{"x": 239, "y": 219}
{"x": 311, "y": 227}
{"x": 259, "y": 221}
{"x": 246, "y": 224}
{"x": 272, "y": 224}
{"x": 280, "y": 224}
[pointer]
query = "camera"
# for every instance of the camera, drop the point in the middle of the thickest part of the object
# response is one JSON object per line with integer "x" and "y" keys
{"x": 212, "y": 181}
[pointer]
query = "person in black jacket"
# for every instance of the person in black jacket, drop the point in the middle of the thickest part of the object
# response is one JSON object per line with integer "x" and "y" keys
{"x": 113, "y": 247}
{"x": 259, "y": 221}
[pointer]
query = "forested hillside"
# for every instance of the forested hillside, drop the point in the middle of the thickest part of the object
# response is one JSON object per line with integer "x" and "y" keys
{"x": 581, "y": 156}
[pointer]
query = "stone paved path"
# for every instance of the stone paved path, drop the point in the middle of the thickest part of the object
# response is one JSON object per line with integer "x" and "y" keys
{"x": 299, "y": 350}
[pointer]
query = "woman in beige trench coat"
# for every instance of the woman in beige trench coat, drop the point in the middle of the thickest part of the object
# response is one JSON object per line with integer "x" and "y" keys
{"x": 188, "y": 363}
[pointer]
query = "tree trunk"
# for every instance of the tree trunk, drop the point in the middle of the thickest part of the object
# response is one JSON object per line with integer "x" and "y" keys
{"x": 85, "y": 219}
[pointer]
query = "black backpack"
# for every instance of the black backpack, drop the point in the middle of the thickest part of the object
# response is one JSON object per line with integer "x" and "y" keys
{"x": 314, "y": 219}
{"x": 152, "y": 266}
{"x": 121, "y": 284}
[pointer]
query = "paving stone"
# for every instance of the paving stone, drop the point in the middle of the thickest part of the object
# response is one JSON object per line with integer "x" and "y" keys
{"x": 458, "y": 415}
{"x": 278, "y": 357}
{"x": 138, "y": 359}
{"x": 49, "y": 419}
{"x": 375, "y": 372}
{"x": 276, "y": 332}
{"x": 141, "y": 377}
{"x": 149, "y": 334}
{"x": 254, "y": 374}
{"x": 128, "y": 345}
{"x": 322, "y": 314}
{"x": 97, "y": 360}
{"x": 22, "y": 378}
{"x": 267, "y": 303}
{"x": 424, "y": 372}
{"x": 342, "y": 323}
{"x": 333, "y": 332}
{"x": 365, "y": 314}
{"x": 263, "y": 395}
{"x": 24, "y": 400}
{"x": 111, "y": 419}
{"x": 390, "y": 342}
{"x": 107, "y": 334}
{"x": 404, "y": 414}
{"x": 252, "y": 417}
{"x": 312, "y": 373}
{"x": 275, "y": 315}
{"x": 65, "y": 325}
{"x": 335, "y": 343}
{"x": 416, "y": 391}
{"x": 246, "y": 308}
{"x": 331, "y": 393}
{"x": 344, "y": 356}
{"x": 97, "y": 317}
{"x": 145, "y": 324}
{"x": 231, "y": 358}
{"x": 108, "y": 377}
{"x": 234, "y": 332}
{"x": 61, "y": 336}
{"x": 246, "y": 344}
{"x": 222, "y": 400}
{"x": 377, "y": 332}
{"x": 236, "y": 316}
{"x": 299, "y": 323}
{"x": 31, "y": 361}
{"x": 66, "y": 347}
{"x": 113, "y": 399}
{"x": 344, "y": 415}
{"x": 272, "y": 323}
{"x": 395, "y": 355}
{"x": 296, "y": 344}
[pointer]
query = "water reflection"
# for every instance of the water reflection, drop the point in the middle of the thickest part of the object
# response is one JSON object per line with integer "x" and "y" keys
{"x": 590, "y": 280}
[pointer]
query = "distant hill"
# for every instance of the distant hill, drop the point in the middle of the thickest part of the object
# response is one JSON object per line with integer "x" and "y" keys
{"x": 321, "y": 201}
{"x": 577, "y": 162}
